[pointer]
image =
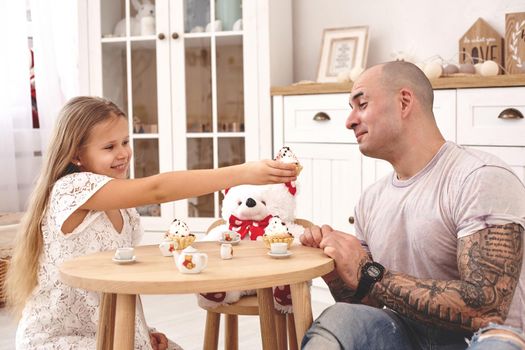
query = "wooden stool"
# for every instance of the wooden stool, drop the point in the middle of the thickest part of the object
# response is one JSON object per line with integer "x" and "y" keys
{"x": 246, "y": 306}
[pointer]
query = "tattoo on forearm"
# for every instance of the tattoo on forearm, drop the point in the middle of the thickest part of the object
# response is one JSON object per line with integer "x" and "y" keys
{"x": 489, "y": 263}
{"x": 340, "y": 291}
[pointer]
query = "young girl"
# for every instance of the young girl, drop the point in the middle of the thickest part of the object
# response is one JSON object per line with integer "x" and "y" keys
{"x": 78, "y": 207}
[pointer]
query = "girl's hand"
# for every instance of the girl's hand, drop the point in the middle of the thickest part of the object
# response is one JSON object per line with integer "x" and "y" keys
{"x": 158, "y": 341}
{"x": 268, "y": 172}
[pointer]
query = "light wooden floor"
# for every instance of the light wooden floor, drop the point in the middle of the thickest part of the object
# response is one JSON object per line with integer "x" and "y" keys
{"x": 180, "y": 318}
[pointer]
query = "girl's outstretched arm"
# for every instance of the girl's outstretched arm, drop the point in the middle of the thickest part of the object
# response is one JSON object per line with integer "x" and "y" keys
{"x": 171, "y": 186}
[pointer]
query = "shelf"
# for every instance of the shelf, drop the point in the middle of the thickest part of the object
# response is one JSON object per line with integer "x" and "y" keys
{"x": 210, "y": 34}
{"x": 145, "y": 136}
{"x": 458, "y": 82}
{"x": 123, "y": 39}
{"x": 148, "y": 42}
{"x": 221, "y": 134}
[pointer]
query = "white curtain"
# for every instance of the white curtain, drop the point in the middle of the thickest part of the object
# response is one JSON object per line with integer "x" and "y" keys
{"x": 55, "y": 44}
{"x": 15, "y": 105}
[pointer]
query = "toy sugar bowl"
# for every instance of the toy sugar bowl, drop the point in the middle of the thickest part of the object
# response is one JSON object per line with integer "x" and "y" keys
{"x": 190, "y": 260}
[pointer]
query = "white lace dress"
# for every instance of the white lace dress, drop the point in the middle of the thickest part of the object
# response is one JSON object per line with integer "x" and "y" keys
{"x": 56, "y": 315}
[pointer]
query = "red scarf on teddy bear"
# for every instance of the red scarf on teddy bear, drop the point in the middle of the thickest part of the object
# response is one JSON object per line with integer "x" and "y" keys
{"x": 253, "y": 227}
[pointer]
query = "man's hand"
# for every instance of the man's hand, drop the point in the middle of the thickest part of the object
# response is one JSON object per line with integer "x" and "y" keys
{"x": 158, "y": 341}
{"x": 347, "y": 252}
{"x": 313, "y": 236}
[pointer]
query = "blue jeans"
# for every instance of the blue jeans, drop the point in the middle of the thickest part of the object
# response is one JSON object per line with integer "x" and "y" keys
{"x": 361, "y": 327}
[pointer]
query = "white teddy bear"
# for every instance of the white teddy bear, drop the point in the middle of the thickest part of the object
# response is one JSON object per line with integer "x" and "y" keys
{"x": 248, "y": 210}
{"x": 146, "y": 9}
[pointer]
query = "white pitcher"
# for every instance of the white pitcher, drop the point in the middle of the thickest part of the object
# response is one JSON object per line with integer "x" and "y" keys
{"x": 190, "y": 260}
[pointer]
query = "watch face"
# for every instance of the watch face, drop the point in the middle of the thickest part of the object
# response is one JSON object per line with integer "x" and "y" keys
{"x": 373, "y": 271}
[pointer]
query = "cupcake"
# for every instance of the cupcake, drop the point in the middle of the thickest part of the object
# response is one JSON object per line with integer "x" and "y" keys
{"x": 276, "y": 232}
{"x": 286, "y": 155}
{"x": 180, "y": 233}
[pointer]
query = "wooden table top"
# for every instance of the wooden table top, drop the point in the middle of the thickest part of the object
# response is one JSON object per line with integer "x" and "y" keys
{"x": 152, "y": 273}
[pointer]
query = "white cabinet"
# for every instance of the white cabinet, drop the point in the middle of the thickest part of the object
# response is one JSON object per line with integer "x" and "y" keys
{"x": 196, "y": 95}
{"x": 444, "y": 109}
{"x": 330, "y": 183}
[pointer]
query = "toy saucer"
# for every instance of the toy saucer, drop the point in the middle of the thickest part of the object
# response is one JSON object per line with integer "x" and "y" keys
{"x": 280, "y": 256}
{"x": 125, "y": 261}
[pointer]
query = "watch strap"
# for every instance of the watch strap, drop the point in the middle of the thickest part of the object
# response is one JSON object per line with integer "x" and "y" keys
{"x": 366, "y": 282}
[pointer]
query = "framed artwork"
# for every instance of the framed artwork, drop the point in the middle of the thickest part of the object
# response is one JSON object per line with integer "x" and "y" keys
{"x": 342, "y": 49}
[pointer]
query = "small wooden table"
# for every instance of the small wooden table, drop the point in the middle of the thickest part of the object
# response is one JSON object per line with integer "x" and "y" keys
{"x": 250, "y": 268}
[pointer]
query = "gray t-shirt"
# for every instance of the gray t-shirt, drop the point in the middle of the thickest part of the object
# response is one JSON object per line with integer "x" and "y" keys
{"x": 412, "y": 226}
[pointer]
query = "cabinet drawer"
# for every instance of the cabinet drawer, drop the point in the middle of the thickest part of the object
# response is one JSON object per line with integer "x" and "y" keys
{"x": 302, "y": 125}
{"x": 477, "y": 116}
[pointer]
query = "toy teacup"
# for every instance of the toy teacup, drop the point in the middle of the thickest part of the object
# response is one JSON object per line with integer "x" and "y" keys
{"x": 167, "y": 247}
{"x": 230, "y": 236}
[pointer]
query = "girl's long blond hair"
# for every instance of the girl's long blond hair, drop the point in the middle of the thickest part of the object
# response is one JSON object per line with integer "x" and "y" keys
{"x": 74, "y": 122}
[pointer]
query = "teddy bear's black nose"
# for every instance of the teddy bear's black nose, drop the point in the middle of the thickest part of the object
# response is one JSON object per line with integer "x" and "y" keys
{"x": 250, "y": 203}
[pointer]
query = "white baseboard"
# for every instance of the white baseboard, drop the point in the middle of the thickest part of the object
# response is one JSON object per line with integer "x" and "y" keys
{"x": 320, "y": 292}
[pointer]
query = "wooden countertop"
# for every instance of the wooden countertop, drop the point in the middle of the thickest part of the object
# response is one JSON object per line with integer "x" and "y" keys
{"x": 455, "y": 82}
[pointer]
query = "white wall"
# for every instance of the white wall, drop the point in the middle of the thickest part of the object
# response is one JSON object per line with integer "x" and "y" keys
{"x": 421, "y": 28}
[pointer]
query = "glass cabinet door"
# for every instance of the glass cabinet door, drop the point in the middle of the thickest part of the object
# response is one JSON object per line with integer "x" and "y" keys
{"x": 214, "y": 88}
{"x": 130, "y": 50}
{"x": 192, "y": 77}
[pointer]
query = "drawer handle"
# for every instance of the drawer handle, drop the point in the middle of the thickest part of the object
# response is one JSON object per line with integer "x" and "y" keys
{"x": 351, "y": 219}
{"x": 321, "y": 117}
{"x": 510, "y": 113}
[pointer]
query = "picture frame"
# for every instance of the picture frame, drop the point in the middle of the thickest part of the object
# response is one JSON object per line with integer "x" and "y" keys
{"x": 342, "y": 50}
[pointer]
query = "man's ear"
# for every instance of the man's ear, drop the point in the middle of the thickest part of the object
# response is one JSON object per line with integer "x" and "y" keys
{"x": 406, "y": 100}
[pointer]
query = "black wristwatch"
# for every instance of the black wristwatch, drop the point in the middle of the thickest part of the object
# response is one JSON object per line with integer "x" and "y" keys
{"x": 371, "y": 272}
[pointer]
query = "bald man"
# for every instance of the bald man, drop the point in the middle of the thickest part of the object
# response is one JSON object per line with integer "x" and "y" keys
{"x": 438, "y": 252}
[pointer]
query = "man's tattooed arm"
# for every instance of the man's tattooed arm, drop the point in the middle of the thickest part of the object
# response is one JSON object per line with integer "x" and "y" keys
{"x": 489, "y": 263}
{"x": 342, "y": 293}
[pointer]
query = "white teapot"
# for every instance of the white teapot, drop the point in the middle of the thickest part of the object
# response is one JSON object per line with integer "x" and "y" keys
{"x": 190, "y": 260}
